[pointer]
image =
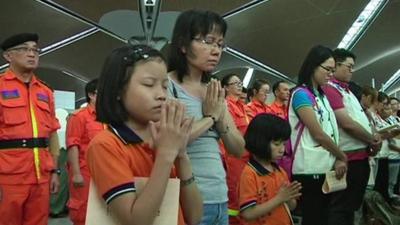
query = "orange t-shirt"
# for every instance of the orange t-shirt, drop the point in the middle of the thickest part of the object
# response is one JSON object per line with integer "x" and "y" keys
{"x": 237, "y": 110}
{"x": 255, "y": 107}
{"x": 17, "y": 99}
{"x": 278, "y": 109}
{"x": 258, "y": 185}
{"x": 81, "y": 128}
{"x": 115, "y": 157}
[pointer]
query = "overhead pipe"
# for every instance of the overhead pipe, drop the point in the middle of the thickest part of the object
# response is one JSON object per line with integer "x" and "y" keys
{"x": 63, "y": 43}
{"x": 253, "y": 61}
{"x": 79, "y": 17}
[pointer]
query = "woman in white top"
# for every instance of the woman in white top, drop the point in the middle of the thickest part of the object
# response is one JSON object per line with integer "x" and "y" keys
{"x": 315, "y": 135}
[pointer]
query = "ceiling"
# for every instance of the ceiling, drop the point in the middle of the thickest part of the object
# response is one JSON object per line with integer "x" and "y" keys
{"x": 276, "y": 34}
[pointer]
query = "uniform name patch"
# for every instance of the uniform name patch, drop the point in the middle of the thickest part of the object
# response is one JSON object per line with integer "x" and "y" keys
{"x": 43, "y": 97}
{"x": 9, "y": 94}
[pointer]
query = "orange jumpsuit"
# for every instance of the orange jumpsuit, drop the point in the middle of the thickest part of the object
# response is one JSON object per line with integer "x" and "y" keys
{"x": 278, "y": 109}
{"x": 234, "y": 166}
{"x": 81, "y": 128}
{"x": 255, "y": 107}
{"x": 27, "y": 118}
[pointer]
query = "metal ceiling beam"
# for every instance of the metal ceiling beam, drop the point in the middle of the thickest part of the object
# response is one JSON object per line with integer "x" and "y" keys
{"x": 247, "y": 58}
{"x": 243, "y": 7}
{"x": 149, "y": 11}
{"x": 79, "y": 17}
{"x": 255, "y": 62}
{"x": 67, "y": 41}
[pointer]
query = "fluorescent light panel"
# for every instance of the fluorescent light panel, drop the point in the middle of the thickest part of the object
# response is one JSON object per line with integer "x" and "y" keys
{"x": 391, "y": 81}
{"x": 247, "y": 77}
{"x": 359, "y": 26}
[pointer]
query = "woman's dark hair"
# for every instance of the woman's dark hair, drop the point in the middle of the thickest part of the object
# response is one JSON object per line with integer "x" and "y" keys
{"x": 382, "y": 97}
{"x": 263, "y": 129}
{"x": 188, "y": 25}
{"x": 317, "y": 55}
{"x": 225, "y": 80}
{"x": 370, "y": 91}
{"x": 116, "y": 73}
{"x": 90, "y": 88}
{"x": 257, "y": 84}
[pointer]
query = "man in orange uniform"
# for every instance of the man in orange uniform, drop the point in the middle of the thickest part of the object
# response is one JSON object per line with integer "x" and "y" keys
{"x": 279, "y": 106}
{"x": 81, "y": 128}
{"x": 28, "y": 128}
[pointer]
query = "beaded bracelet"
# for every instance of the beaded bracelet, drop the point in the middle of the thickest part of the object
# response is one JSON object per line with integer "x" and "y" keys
{"x": 187, "y": 181}
{"x": 213, "y": 118}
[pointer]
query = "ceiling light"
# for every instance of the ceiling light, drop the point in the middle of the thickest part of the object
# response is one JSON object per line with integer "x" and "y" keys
{"x": 393, "y": 79}
{"x": 247, "y": 77}
{"x": 360, "y": 25}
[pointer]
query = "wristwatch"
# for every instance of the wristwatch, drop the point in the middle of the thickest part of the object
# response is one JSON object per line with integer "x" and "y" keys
{"x": 56, "y": 171}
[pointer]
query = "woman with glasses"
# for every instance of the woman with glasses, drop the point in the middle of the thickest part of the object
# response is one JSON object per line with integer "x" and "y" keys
{"x": 196, "y": 48}
{"x": 258, "y": 93}
{"x": 314, "y": 138}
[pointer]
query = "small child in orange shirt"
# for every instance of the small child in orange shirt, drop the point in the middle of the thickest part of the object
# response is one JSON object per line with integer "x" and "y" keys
{"x": 146, "y": 137}
{"x": 265, "y": 194}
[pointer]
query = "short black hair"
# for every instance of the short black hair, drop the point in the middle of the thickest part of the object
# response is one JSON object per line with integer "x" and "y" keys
{"x": 116, "y": 73}
{"x": 189, "y": 24}
{"x": 317, "y": 55}
{"x": 276, "y": 86}
{"x": 90, "y": 88}
{"x": 263, "y": 129}
{"x": 256, "y": 86}
{"x": 341, "y": 54}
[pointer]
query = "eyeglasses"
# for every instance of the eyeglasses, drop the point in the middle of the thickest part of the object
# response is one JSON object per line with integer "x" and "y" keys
{"x": 350, "y": 67}
{"x": 330, "y": 70}
{"x": 26, "y": 49}
{"x": 236, "y": 83}
{"x": 210, "y": 42}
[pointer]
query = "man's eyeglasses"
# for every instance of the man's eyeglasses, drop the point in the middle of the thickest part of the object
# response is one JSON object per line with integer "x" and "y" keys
{"x": 236, "y": 83}
{"x": 350, "y": 67}
{"x": 330, "y": 70}
{"x": 210, "y": 42}
{"x": 26, "y": 49}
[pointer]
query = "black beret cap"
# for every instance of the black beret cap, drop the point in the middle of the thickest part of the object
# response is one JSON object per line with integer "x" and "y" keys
{"x": 18, "y": 39}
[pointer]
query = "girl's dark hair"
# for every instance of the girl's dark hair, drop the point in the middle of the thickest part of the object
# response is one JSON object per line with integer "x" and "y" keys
{"x": 263, "y": 129}
{"x": 188, "y": 25}
{"x": 317, "y": 55}
{"x": 256, "y": 86}
{"x": 116, "y": 73}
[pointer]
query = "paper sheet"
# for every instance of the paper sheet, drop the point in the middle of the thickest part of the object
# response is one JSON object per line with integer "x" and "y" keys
{"x": 97, "y": 213}
{"x": 332, "y": 184}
